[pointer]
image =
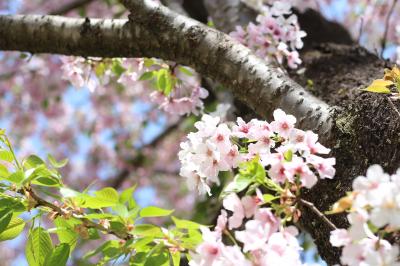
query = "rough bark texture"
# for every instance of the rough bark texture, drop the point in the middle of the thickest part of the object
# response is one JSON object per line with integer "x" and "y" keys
{"x": 366, "y": 129}
{"x": 155, "y": 31}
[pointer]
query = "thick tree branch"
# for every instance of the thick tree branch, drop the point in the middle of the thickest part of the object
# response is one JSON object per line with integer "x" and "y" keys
{"x": 155, "y": 31}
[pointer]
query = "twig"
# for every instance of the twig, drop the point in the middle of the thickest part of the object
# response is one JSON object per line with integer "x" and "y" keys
{"x": 120, "y": 178}
{"x": 360, "y": 30}
{"x": 384, "y": 40}
{"x": 86, "y": 222}
{"x": 394, "y": 107}
{"x": 70, "y": 6}
{"x": 314, "y": 209}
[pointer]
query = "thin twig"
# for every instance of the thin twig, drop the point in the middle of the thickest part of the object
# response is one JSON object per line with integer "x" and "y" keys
{"x": 312, "y": 207}
{"x": 393, "y": 106}
{"x": 384, "y": 40}
{"x": 135, "y": 162}
{"x": 86, "y": 222}
{"x": 360, "y": 30}
{"x": 70, "y": 6}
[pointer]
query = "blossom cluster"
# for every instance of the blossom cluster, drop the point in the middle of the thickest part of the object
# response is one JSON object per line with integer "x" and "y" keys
{"x": 275, "y": 36}
{"x": 289, "y": 154}
{"x": 265, "y": 241}
{"x": 186, "y": 96}
{"x": 374, "y": 212}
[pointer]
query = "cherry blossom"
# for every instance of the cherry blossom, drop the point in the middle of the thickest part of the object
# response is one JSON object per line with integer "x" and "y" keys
{"x": 212, "y": 149}
{"x": 275, "y": 36}
{"x": 375, "y": 209}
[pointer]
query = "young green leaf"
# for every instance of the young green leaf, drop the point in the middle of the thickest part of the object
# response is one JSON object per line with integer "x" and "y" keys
{"x": 14, "y": 228}
{"x": 152, "y": 211}
{"x": 32, "y": 161}
{"x": 185, "y": 224}
{"x": 147, "y": 75}
{"x": 147, "y": 230}
{"x": 117, "y": 68}
{"x": 288, "y": 155}
{"x": 59, "y": 256}
{"x": 106, "y": 197}
{"x": 3, "y": 172}
{"x": 55, "y": 163}
{"x": 16, "y": 177}
{"x": 38, "y": 247}
{"x": 5, "y": 218}
{"x": 6, "y": 155}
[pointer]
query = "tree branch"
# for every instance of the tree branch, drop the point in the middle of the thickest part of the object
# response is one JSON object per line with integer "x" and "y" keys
{"x": 70, "y": 6}
{"x": 137, "y": 160}
{"x": 86, "y": 222}
{"x": 314, "y": 209}
{"x": 387, "y": 25}
{"x": 155, "y": 31}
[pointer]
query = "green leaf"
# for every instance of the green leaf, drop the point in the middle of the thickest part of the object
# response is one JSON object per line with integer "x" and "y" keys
{"x": 5, "y": 218}
{"x": 16, "y": 177}
{"x": 109, "y": 248}
{"x": 117, "y": 68}
{"x": 43, "y": 176}
{"x": 38, "y": 247}
{"x": 141, "y": 244}
{"x": 185, "y": 71}
{"x": 127, "y": 196}
{"x": 106, "y": 197}
{"x": 11, "y": 203}
{"x": 59, "y": 256}
{"x": 238, "y": 184}
{"x": 268, "y": 198}
{"x": 3, "y": 172}
{"x": 47, "y": 181}
{"x": 55, "y": 163}
{"x": 100, "y": 69}
{"x": 379, "y": 86}
{"x": 147, "y": 230}
{"x": 175, "y": 258}
{"x": 152, "y": 211}
{"x": 148, "y": 62}
{"x": 65, "y": 231}
{"x": 121, "y": 210}
{"x": 161, "y": 79}
{"x": 147, "y": 75}
{"x": 108, "y": 193}
{"x": 288, "y": 155}
{"x": 139, "y": 259}
{"x": 6, "y": 155}
{"x": 160, "y": 259}
{"x": 185, "y": 224}
{"x": 14, "y": 228}
{"x": 32, "y": 162}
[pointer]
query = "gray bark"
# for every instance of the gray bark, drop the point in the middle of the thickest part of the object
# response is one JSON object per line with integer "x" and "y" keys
{"x": 155, "y": 31}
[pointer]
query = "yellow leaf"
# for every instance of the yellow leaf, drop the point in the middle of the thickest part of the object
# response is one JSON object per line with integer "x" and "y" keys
{"x": 341, "y": 205}
{"x": 392, "y": 74}
{"x": 379, "y": 86}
